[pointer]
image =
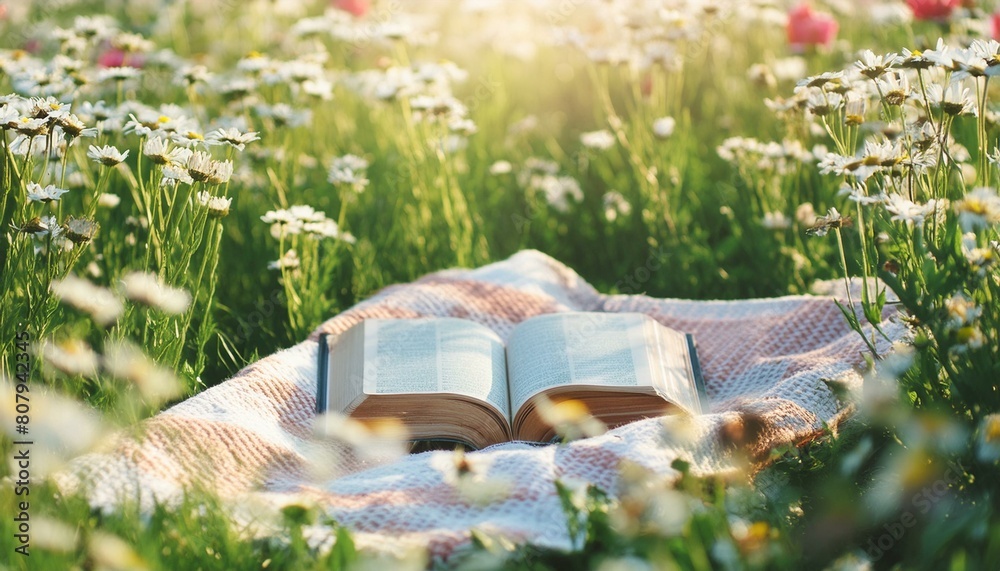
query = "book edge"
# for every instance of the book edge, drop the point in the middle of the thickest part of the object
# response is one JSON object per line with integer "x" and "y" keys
{"x": 699, "y": 379}
{"x": 323, "y": 374}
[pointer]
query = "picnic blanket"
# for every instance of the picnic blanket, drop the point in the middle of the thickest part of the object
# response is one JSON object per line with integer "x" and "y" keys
{"x": 251, "y": 438}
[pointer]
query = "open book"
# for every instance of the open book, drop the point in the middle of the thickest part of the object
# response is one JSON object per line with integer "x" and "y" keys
{"x": 454, "y": 379}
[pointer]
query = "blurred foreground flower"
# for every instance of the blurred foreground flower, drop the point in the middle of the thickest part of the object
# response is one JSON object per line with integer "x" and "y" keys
{"x": 112, "y": 552}
{"x": 127, "y": 362}
{"x": 979, "y": 209}
{"x": 570, "y": 418}
{"x": 102, "y": 305}
{"x": 469, "y": 477}
{"x": 988, "y": 443}
{"x": 809, "y": 28}
{"x": 648, "y": 503}
{"x": 61, "y": 428}
{"x": 378, "y": 439}
{"x": 53, "y": 535}
{"x": 147, "y": 289}
{"x": 71, "y": 356}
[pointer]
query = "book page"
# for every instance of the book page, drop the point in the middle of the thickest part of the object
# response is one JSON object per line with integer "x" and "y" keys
{"x": 440, "y": 355}
{"x": 602, "y": 349}
{"x": 670, "y": 361}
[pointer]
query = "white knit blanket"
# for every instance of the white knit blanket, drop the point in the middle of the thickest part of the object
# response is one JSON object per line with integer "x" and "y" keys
{"x": 251, "y": 437}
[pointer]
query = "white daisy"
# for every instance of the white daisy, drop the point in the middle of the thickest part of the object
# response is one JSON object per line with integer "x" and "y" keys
{"x": 200, "y": 166}
{"x": 233, "y": 137}
{"x": 158, "y": 150}
{"x": 80, "y": 230}
{"x": 979, "y": 209}
{"x": 31, "y": 127}
{"x": 218, "y": 206}
{"x": 956, "y": 99}
{"x": 107, "y": 155}
{"x": 48, "y": 193}
{"x": 289, "y": 261}
{"x": 873, "y": 66}
{"x": 173, "y": 175}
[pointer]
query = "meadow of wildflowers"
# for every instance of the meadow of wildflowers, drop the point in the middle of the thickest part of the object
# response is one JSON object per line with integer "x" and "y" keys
{"x": 189, "y": 185}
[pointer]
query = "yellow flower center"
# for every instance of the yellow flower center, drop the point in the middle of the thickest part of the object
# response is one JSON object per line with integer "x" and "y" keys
{"x": 72, "y": 347}
{"x": 966, "y": 334}
{"x": 974, "y": 206}
{"x": 992, "y": 432}
{"x": 916, "y": 470}
{"x": 759, "y": 530}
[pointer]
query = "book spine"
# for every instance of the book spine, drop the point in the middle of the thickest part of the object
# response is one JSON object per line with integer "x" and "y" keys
{"x": 322, "y": 374}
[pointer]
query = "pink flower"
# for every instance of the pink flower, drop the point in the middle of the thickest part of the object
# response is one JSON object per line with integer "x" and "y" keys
{"x": 357, "y": 8}
{"x": 809, "y": 28}
{"x": 114, "y": 57}
{"x": 933, "y": 9}
{"x": 995, "y": 26}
